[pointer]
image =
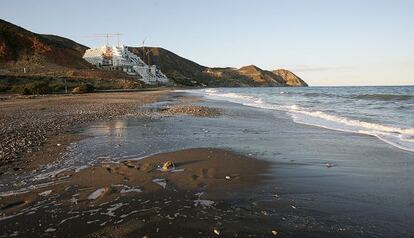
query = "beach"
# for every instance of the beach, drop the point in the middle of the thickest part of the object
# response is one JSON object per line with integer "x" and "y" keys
{"x": 27, "y": 122}
{"x": 239, "y": 171}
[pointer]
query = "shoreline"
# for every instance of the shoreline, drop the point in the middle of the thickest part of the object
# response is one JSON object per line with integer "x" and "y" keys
{"x": 202, "y": 185}
{"x": 296, "y": 193}
{"x": 200, "y": 174}
{"x": 29, "y": 122}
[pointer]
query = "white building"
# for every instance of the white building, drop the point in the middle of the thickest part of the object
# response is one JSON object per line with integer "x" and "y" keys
{"x": 120, "y": 58}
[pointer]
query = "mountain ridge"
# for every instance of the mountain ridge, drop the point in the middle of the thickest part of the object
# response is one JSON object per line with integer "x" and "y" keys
{"x": 192, "y": 74}
{"x": 44, "y": 54}
{"x": 19, "y": 44}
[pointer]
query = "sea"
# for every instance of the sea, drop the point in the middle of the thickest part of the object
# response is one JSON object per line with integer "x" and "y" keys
{"x": 386, "y": 112}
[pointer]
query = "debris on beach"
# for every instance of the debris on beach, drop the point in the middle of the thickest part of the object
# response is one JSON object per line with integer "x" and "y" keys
{"x": 78, "y": 169}
{"x": 274, "y": 232}
{"x": 329, "y": 165}
{"x": 168, "y": 166}
{"x": 127, "y": 189}
{"x": 50, "y": 230}
{"x": 177, "y": 170}
{"x": 98, "y": 193}
{"x": 292, "y": 206}
{"x": 161, "y": 182}
{"x": 73, "y": 200}
{"x": 45, "y": 193}
{"x": 203, "y": 203}
{"x": 217, "y": 232}
{"x": 227, "y": 177}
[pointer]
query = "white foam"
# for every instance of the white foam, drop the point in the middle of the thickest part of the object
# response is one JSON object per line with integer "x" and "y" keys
{"x": 402, "y": 138}
{"x": 111, "y": 211}
{"x": 394, "y": 136}
{"x": 130, "y": 190}
{"x": 161, "y": 182}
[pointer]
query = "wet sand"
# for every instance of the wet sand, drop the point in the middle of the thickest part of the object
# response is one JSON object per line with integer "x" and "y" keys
{"x": 124, "y": 197}
{"x": 138, "y": 198}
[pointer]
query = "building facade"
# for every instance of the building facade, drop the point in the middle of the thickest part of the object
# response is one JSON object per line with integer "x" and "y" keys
{"x": 120, "y": 58}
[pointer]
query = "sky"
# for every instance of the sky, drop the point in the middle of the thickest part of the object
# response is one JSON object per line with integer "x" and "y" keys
{"x": 325, "y": 42}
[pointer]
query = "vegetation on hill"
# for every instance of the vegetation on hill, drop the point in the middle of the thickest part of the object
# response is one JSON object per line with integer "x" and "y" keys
{"x": 189, "y": 73}
{"x": 26, "y": 57}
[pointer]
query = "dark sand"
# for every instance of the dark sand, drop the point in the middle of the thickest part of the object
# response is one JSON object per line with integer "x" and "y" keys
{"x": 132, "y": 200}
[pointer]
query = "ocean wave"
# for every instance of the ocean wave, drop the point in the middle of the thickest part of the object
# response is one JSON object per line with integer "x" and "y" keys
{"x": 402, "y": 138}
{"x": 376, "y": 97}
{"x": 382, "y": 97}
{"x": 319, "y": 95}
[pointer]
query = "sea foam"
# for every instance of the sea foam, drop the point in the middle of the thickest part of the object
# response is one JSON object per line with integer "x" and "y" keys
{"x": 402, "y": 138}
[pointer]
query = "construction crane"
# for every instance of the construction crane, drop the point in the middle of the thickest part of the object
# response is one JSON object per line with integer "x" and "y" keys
{"x": 107, "y": 36}
{"x": 145, "y": 53}
{"x": 148, "y": 58}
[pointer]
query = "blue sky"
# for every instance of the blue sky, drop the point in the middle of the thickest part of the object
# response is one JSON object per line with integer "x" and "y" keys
{"x": 330, "y": 42}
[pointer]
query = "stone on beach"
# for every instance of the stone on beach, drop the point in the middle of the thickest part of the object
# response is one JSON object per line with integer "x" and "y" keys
{"x": 168, "y": 166}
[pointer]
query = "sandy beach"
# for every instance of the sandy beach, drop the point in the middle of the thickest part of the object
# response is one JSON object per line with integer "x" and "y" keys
{"x": 28, "y": 122}
{"x": 138, "y": 185}
{"x": 237, "y": 173}
{"x": 137, "y": 197}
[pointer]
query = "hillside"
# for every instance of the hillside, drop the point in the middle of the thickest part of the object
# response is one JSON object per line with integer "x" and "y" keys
{"x": 54, "y": 56}
{"x": 18, "y": 45}
{"x": 50, "y": 59}
{"x": 290, "y": 78}
{"x": 261, "y": 77}
{"x": 182, "y": 70}
{"x": 189, "y": 73}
